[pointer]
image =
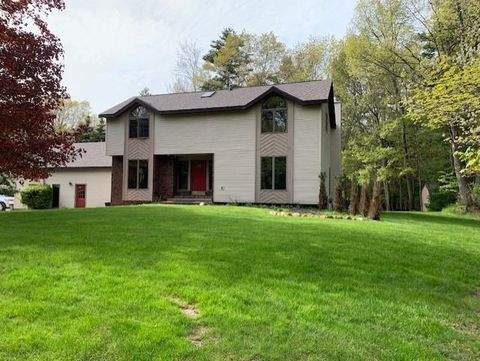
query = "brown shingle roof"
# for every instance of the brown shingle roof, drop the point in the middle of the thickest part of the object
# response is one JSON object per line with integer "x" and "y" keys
{"x": 94, "y": 157}
{"x": 311, "y": 92}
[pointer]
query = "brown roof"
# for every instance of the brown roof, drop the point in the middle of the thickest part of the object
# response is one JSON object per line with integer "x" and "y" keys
{"x": 311, "y": 92}
{"x": 94, "y": 157}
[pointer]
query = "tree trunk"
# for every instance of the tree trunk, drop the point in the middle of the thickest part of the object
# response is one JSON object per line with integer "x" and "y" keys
{"x": 465, "y": 192}
{"x": 405, "y": 165}
{"x": 364, "y": 201}
{"x": 375, "y": 205}
{"x": 353, "y": 208}
{"x": 386, "y": 190}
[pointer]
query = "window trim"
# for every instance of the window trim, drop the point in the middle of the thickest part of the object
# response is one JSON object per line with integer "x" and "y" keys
{"x": 272, "y": 158}
{"x": 137, "y": 174}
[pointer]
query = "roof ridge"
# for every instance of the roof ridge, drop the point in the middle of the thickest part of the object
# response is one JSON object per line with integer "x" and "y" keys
{"x": 228, "y": 90}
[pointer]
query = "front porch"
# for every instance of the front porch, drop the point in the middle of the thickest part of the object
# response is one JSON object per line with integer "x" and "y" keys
{"x": 183, "y": 178}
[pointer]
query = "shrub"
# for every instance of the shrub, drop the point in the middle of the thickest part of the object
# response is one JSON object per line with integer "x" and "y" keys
{"x": 37, "y": 196}
{"x": 455, "y": 209}
{"x": 338, "y": 197}
{"x": 322, "y": 194}
{"x": 476, "y": 195}
{"x": 440, "y": 199}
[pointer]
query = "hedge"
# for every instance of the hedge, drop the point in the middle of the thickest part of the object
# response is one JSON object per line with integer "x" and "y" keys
{"x": 37, "y": 196}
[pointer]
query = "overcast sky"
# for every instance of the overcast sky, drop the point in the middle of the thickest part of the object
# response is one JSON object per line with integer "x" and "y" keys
{"x": 114, "y": 48}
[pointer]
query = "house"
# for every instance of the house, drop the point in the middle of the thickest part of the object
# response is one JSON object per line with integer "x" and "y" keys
{"x": 84, "y": 182}
{"x": 264, "y": 144}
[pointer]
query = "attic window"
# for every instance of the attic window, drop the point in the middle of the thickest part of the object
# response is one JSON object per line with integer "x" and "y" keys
{"x": 139, "y": 123}
{"x": 274, "y": 115}
{"x": 208, "y": 94}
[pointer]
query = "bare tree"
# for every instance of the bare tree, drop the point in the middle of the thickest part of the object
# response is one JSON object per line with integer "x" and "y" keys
{"x": 189, "y": 74}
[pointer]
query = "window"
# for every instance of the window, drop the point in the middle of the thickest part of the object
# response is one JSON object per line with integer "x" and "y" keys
{"x": 274, "y": 173}
{"x": 183, "y": 174}
{"x": 138, "y": 174}
{"x": 274, "y": 115}
{"x": 139, "y": 123}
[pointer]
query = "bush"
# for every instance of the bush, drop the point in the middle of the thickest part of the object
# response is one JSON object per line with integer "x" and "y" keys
{"x": 322, "y": 193}
{"x": 455, "y": 209}
{"x": 440, "y": 199}
{"x": 476, "y": 195}
{"x": 37, "y": 196}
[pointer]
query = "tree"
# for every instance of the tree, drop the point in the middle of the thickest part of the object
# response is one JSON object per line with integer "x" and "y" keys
{"x": 227, "y": 62}
{"x": 145, "y": 92}
{"x": 93, "y": 130}
{"x": 376, "y": 203}
{"x": 266, "y": 57}
{"x": 338, "y": 200}
{"x": 447, "y": 98}
{"x": 30, "y": 76}
{"x": 189, "y": 74}
{"x": 353, "y": 207}
{"x": 307, "y": 61}
{"x": 70, "y": 113}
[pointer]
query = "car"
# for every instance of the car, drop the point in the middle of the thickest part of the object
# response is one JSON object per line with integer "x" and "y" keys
{"x": 6, "y": 202}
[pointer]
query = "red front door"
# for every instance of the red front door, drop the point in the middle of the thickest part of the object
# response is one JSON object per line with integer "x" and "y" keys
{"x": 199, "y": 175}
{"x": 80, "y": 195}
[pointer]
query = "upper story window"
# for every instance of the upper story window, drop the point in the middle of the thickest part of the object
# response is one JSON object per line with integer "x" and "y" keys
{"x": 274, "y": 115}
{"x": 139, "y": 123}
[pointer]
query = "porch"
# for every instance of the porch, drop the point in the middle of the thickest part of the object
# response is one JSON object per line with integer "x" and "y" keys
{"x": 186, "y": 178}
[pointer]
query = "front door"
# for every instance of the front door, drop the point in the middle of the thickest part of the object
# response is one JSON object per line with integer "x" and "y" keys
{"x": 80, "y": 195}
{"x": 199, "y": 177}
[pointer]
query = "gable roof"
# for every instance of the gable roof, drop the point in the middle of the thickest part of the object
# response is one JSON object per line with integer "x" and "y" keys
{"x": 310, "y": 92}
{"x": 94, "y": 156}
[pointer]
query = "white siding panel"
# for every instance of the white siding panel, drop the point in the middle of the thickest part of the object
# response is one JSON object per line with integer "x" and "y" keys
{"x": 306, "y": 163}
{"x": 115, "y": 136}
{"x": 229, "y": 136}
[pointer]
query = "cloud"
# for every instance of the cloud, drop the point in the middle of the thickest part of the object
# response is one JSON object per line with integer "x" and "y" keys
{"x": 113, "y": 48}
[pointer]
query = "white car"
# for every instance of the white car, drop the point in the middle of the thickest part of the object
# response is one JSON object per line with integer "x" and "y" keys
{"x": 6, "y": 202}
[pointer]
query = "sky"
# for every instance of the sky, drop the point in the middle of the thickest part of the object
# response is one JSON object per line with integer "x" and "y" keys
{"x": 115, "y": 48}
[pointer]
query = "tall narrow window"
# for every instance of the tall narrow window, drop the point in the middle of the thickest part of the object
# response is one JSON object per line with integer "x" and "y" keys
{"x": 280, "y": 172}
{"x": 183, "y": 174}
{"x": 274, "y": 115}
{"x": 267, "y": 169}
{"x": 138, "y": 174}
{"x": 274, "y": 173}
{"x": 139, "y": 123}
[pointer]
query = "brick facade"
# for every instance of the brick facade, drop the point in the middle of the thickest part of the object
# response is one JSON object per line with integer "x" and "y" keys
{"x": 163, "y": 177}
{"x": 117, "y": 180}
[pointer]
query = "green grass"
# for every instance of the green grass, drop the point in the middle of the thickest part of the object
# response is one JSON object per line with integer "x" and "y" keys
{"x": 101, "y": 284}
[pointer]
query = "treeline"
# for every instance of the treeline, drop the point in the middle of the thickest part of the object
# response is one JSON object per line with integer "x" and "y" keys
{"x": 408, "y": 76}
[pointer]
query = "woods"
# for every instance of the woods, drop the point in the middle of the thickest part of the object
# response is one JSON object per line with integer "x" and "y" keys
{"x": 408, "y": 76}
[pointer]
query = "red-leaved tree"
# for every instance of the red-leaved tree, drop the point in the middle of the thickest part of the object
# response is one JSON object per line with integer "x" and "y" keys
{"x": 30, "y": 91}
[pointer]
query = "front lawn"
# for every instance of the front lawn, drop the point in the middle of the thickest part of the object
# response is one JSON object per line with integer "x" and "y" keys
{"x": 228, "y": 283}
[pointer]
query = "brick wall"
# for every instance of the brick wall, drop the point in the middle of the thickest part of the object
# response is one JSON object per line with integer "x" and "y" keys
{"x": 163, "y": 177}
{"x": 117, "y": 180}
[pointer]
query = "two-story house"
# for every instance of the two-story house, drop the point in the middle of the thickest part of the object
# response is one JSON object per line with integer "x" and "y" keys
{"x": 264, "y": 144}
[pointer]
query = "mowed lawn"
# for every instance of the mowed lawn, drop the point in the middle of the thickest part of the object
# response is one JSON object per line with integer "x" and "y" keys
{"x": 126, "y": 283}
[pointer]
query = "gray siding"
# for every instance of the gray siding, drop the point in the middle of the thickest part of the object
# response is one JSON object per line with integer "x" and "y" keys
{"x": 229, "y": 136}
{"x": 115, "y": 135}
{"x": 306, "y": 158}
